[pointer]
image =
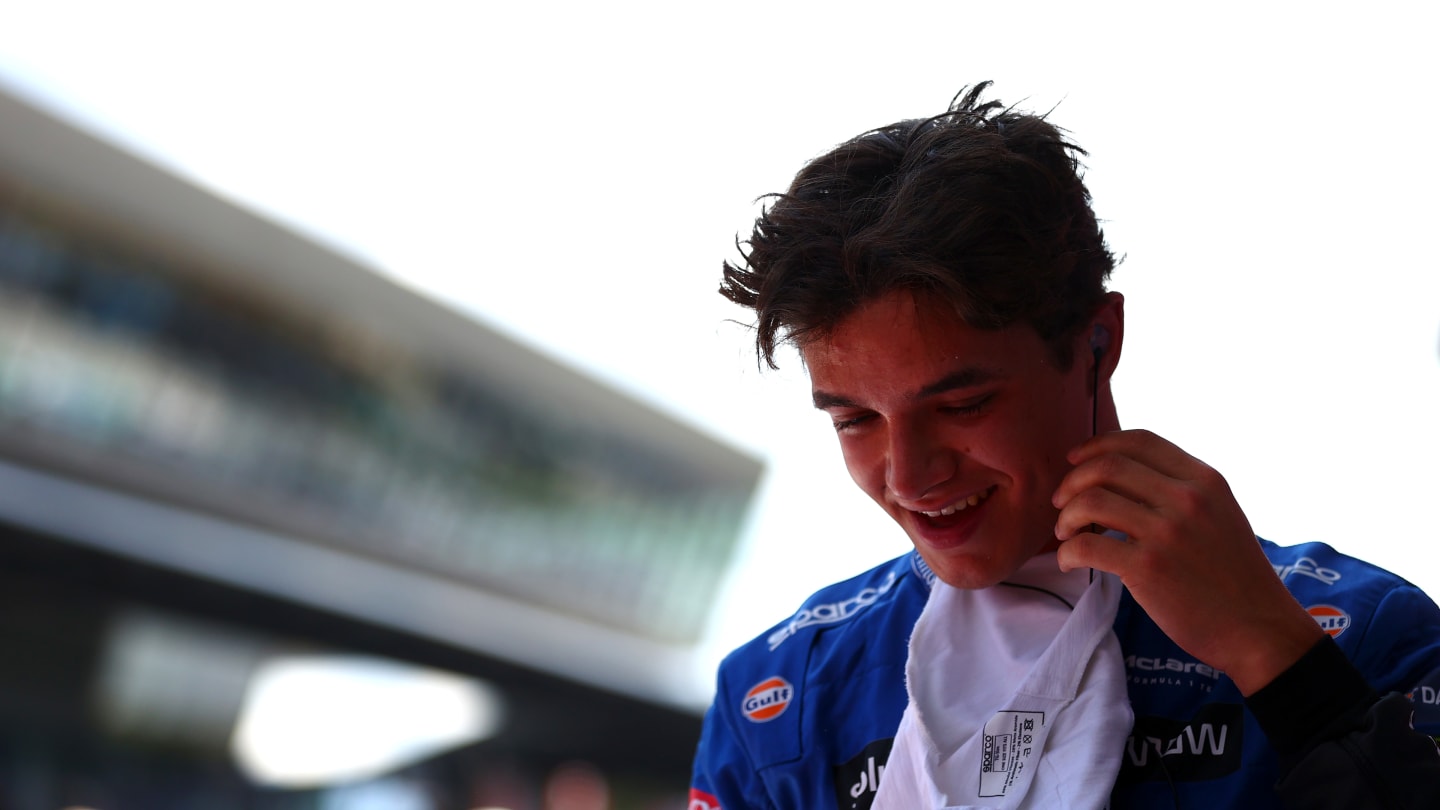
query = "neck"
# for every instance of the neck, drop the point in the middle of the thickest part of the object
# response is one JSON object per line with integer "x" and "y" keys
{"x": 1107, "y": 420}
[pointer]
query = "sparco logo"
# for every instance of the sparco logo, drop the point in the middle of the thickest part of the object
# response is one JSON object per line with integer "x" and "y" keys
{"x": 1206, "y": 747}
{"x": 768, "y": 699}
{"x": 700, "y": 800}
{"x": 857, "y": 780}
{"x": 1307, "y": 567}
{"x": 831, "y": 612}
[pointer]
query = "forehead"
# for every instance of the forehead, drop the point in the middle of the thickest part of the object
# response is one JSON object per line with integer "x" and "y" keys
{"x": 904, "y": 341}
{"x": 890, "y": 316}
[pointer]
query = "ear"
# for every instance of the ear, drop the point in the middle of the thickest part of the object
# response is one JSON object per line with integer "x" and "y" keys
{"x": 1108, "y": 334}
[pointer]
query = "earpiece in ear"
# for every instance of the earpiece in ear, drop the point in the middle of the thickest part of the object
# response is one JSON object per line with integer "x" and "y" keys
{"x": 1099, "y": 341}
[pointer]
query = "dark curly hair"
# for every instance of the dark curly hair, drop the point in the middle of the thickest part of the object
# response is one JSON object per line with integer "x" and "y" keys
{"x": 980, "y": 205}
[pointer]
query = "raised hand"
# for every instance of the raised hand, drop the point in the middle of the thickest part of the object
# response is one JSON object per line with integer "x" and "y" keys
{"x": 1189, "y": 556}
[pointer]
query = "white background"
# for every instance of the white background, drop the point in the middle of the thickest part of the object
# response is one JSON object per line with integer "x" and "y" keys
{"x": 575, "y": 173}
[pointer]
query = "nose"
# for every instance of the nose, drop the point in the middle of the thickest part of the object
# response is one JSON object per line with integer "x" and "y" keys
{"x": 916, "y": 463}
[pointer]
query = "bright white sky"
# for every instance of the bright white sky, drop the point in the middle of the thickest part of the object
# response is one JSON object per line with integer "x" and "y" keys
{"x": 575, "y": 173}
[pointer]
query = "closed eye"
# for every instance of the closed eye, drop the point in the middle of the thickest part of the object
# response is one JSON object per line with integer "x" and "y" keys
{"x": 851, "y": 422}
{"x": 968, "y": 408}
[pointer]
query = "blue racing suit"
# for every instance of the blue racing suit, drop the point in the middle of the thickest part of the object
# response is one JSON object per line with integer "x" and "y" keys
{"x": 804, "y": 715}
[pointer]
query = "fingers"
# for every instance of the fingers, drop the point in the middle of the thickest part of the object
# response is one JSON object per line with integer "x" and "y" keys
{"x": 1105, "y": 508}
{"x": 1097, "y": 551}
{"x": 1135, "y": 483}
{"x": 1147, "y": 470}
{"x": 1116, "y": 490}
{"x": 1118, "y": 473}
{"x": 1187, "y": 543}
{"x": 1144, "y": 447}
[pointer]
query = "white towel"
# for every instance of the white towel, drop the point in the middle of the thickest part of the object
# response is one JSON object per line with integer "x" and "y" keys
{"x": 1016, "y": 700}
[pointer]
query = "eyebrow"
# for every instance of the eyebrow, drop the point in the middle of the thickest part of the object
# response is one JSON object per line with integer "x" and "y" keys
{"x": 963, "y": 378}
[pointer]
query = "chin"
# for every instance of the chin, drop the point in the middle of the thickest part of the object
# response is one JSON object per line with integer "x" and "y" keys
{"x": 972, "y": 574}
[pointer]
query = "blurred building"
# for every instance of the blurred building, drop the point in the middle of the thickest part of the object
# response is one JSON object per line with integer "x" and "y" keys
{"x": 224, "y": 448}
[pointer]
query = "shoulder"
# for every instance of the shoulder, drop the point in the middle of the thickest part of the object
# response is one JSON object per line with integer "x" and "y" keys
{"x": 1316, "y": 574}
{"x": 834, "y": 612}
{"x": 1311, "y": 565}
{"x": 844, "y": 648}
{"x": 1387, "y": 626}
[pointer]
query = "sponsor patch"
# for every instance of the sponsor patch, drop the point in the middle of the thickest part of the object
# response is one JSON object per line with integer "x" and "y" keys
{"x": 1175, "y": 665}
{"x": 1307, "y": 567}
{"x": 767, "y": 700}
{"x": 1426, "y": 697}
{"x": 700, "y": 800}
{"x": 1147, "y": 670}
{"x": 1331, "y": 619}
{"x": 1206, "y": 747}
{"x": 1010, "y": 751}
{"x": 830, "y": 612}
{"x": 857, "y": 780}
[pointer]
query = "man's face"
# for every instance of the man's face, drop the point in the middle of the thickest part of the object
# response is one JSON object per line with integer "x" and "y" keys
{"x": 959, "y": 434}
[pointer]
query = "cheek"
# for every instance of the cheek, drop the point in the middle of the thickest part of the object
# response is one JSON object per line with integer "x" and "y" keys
{"x": 1027, "y": 451}
{"x": 1062, "y": 432}
{"x": 1058, "y": 419}
{"x": 867, "y": 469}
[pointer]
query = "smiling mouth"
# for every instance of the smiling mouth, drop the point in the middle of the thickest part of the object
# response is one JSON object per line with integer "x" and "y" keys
{"x": 961, "y": 505}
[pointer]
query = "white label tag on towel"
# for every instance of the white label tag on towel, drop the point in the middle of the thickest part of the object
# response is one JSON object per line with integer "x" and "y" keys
{"x": 1010, "y": 749}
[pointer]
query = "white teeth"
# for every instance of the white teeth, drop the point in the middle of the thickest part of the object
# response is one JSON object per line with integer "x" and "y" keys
{"x": 956, "y": 507}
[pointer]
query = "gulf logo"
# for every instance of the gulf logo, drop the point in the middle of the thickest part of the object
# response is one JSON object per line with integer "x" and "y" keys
{"x": 768, "y": 699}
{"x": 1331, "y": 619}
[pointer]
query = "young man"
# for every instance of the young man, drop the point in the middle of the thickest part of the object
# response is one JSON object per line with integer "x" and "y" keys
{"x": 944, "y": 281}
